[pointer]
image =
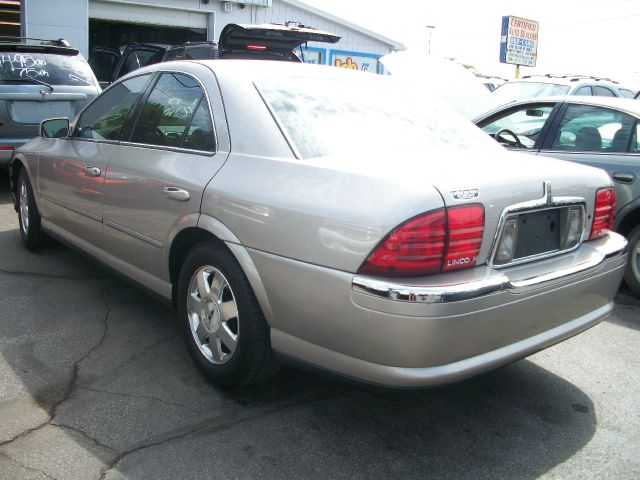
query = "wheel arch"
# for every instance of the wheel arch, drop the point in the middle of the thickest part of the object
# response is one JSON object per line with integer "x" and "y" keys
{"x": 211, "y": 229}
{"x": 17, "y": 164}
{"x": 630, "y": 218}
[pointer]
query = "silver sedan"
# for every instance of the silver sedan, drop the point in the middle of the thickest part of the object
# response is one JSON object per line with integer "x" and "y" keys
{"x": 335, "y": 219}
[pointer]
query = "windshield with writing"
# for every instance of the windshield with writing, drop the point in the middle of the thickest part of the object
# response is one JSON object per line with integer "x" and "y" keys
{"x": 46, "y": 67}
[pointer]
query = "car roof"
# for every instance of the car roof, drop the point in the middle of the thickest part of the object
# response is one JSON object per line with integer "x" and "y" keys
{"x": 627, "y": 105}
{"x": 566, "y": 79}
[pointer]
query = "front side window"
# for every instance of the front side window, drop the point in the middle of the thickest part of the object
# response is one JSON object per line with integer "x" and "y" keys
{"x": 587, "y": 128}
{"x": 105, "y": 118}
{"x": 523, "y": 124}
{"x": 175, "y": 115}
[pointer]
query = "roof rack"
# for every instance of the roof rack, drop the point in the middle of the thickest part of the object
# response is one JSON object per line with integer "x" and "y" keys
{"x": 572, "y": 77}
{"x": 60, "y": 42}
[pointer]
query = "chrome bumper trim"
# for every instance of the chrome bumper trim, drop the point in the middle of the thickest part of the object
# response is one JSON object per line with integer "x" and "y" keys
{"x": 615, "y": 246}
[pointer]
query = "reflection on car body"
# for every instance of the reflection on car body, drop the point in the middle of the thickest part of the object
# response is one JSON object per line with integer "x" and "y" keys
{"x": 327, "y": 218}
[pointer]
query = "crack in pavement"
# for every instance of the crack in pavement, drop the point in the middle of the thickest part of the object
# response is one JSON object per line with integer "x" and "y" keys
{"x": 146, "y": 397}
{"x": 71, "y": 385}
{"x": 30, "y": 469}
{"x": 204, "y": 427}
{"x": 85, "y": 435}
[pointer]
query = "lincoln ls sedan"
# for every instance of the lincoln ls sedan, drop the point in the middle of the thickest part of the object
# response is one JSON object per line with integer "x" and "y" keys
{"x": 335, "y": 219}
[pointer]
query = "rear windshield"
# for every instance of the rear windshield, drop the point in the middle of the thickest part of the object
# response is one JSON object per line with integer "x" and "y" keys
{"x": 511, "y": 91}
{"x": 47, "y": 67}
{"x": 329, "y": 116}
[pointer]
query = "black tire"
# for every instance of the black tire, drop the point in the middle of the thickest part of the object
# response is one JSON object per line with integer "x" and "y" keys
{"x": 206, "y": 327}
{"x": 28, "y": 216}
{"x": 632, "y": 274}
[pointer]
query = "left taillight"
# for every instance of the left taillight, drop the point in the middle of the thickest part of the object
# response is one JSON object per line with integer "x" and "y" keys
{"x": 441, "y": 240}
{"x": 603, "y": 213}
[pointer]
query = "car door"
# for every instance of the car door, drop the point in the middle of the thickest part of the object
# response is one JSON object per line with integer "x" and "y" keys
{"x": 155, "y": 181}
{"x": 103, "y": 61}
{"x": 601, "y": 137}
{"x": 72, "y": 169}
{"x": 136, "y": 56}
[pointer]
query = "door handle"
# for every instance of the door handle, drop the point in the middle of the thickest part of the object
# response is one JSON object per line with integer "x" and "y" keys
{"x": 175, "y": 193}
{"x": 624, "y": 177}
{"x": 91, "y": 171}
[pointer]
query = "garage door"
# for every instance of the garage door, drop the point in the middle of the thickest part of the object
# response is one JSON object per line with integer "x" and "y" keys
{"x": 136, "y": 12}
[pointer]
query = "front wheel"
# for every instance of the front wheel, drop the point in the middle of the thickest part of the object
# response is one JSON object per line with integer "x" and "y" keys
{"x": 28, "y": 216}
{"x": 632, "y": 274}
{"x": 222, "y": 323}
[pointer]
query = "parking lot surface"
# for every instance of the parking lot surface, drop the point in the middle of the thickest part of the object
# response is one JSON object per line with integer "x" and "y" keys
{"x": 95, "y": 383}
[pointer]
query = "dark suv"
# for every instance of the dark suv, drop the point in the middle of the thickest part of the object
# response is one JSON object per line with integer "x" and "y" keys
{"x": 39, "y": 79}
{"x": 263, "y": 42}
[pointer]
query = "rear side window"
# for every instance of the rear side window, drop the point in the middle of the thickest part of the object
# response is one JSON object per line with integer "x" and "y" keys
{"x": 583, "y": 91}
{"x": 54, "y": 69}
{"x": 603, "y": 91}
{"x": 175, "y": 115}
{"x": 587, "y": 128}
{"x": 105, "y": 118}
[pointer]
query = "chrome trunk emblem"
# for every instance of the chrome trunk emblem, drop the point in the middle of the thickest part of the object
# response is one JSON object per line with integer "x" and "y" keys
{"x": 466, "y": 194}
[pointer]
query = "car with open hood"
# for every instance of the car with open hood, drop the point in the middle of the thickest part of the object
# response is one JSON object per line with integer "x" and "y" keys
{"x": 333, "y": 219}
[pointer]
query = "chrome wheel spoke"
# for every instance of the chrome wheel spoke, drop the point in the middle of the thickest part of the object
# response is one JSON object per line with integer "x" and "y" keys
{"x": 228, "y": 338}
{"x": 203, "y": 284}
{"x": 228, "y": 310}
{"x": 217, "y": 286}
{"x": 215, "y": 345}
{"x": 201, "y": 333}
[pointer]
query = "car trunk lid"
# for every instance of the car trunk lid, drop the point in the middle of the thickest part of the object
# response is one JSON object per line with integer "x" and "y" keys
{"x": 269, "y": 38}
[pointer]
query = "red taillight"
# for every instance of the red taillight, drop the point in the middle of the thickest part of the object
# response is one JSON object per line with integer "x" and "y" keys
{"x": 256, "y": 47}
{"x": 5, "y": 148}
{"x": 466, "y": 226}
{"x": 434, "y": 242}
{"x": 603, "y": 213}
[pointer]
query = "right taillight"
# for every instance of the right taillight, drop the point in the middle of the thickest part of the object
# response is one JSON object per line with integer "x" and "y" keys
{"x": 437, "y": 241}
{"x": 603, "y": 212}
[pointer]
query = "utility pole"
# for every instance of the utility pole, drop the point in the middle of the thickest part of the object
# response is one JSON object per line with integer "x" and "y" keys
{"x": 430, "y": 29}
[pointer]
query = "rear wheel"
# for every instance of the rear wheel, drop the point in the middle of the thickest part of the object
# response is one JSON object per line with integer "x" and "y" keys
{"x": 222, "y": 323}
{"x": 29, "y": 218}
{"x": 632, "y": 274}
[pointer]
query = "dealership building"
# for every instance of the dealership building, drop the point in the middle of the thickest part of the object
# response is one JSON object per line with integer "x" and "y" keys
{"x": 112, "y": 23}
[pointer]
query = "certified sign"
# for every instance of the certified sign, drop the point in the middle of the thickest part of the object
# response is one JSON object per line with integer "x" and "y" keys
{"x": 519, "y": 41}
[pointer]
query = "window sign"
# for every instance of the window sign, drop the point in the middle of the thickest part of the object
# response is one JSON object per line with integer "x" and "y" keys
{"x": 364, "y": 62}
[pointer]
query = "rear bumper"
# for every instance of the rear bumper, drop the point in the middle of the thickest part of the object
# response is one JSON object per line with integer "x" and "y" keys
{"x": 442, "y": 328}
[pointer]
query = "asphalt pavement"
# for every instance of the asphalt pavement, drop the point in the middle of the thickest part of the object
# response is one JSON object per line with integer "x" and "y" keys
{"x": 95, "y": 383}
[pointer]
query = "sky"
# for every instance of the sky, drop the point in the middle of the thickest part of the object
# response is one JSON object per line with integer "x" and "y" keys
{"x": 588, "y": 37}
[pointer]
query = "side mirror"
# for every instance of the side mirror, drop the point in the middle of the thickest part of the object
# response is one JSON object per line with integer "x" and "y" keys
{"x": 54, "y": 128}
